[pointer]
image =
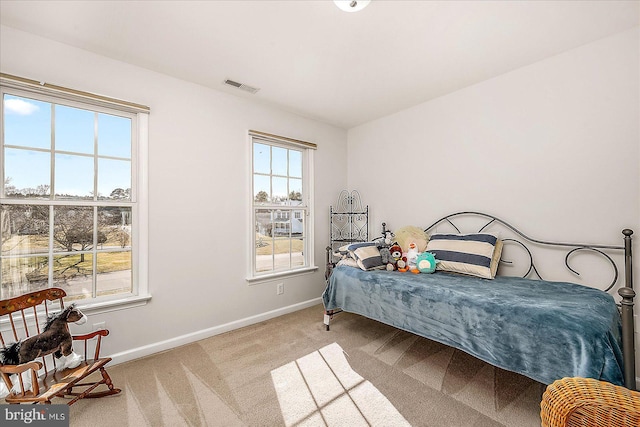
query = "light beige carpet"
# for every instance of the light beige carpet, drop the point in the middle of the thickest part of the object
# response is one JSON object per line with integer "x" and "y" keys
{"x": 245, "y": 378}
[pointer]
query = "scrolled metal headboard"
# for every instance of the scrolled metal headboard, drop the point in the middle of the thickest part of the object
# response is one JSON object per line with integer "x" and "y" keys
{"x": 574, "y": 247}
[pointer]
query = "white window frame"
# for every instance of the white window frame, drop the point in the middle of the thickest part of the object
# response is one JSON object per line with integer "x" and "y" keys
{"x": 139, "y": 204}
{"x": 307, "y": 150}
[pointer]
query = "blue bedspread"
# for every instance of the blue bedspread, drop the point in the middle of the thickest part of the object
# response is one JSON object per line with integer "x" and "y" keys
{"x": 544, "y": 330}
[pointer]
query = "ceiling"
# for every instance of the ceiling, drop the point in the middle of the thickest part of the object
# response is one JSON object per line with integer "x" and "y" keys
{"x": 313, "y": 59}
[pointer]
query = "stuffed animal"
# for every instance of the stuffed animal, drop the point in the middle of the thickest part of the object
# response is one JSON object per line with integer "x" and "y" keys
{"x": 55, "y": 338}
{"x": 387, "y": 259}
{"x": 384, "y": 243}
{"x": 426, "y": 262}
{"x": 408, "y": 234}
{"x": 388, "y": 238}
{"x": 412, "y": 256}
{"x": 396, "y": 254}
{"x": 402, "y": 264}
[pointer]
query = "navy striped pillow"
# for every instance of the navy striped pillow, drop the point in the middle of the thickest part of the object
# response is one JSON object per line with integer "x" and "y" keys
{"x": 347, "y": 250}
{"x": 464, "y": 253}
{"x": 368, "y": 258}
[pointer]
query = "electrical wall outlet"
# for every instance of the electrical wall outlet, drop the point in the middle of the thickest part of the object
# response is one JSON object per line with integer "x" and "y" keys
{"x": 280, "y": 289}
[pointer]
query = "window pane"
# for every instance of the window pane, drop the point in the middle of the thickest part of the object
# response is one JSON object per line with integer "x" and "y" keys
{"x": 114, "y": 273}
{"x": 115, "y": 224}
{"x": 282, "y": 258}
{"x": 75, "y": 129}
{"x": 114, "y": 136}
{"x": 297, "y": 223}
{"x": 261, "y": 189}
{"x": 295, "y": 163}
{"x": 261, "y": 158}
{"x": 281, "y": 224}
{"x": 279, "y": 161}
{"x": 114, "y": 179}
{"x": 282, "y": 253}
{"x": 288, "y": 253}
{"x": 24, "y": 229}
{"x": 22, "y": 275}
{"x": 27, "y": 173}
{"x": 74, "y": 273}
{"x": 263, "y": 222}
{"x": 74, "y": 177}
{"x": 73, "y": 228}
{"x": 264, "y": 241}
{"x": 279, "y": 189}
{"x": 297, "y": 252}
{"x": 27, "y": 122}
{"x": 264, "y": 262}
{"x": 295, "y": 189}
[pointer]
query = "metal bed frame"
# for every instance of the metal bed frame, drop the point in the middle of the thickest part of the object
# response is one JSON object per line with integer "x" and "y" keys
{"x": 626, "y": 291}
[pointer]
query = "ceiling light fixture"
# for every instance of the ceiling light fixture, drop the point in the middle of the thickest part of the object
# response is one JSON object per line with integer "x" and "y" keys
{"x": 351, "y": 5}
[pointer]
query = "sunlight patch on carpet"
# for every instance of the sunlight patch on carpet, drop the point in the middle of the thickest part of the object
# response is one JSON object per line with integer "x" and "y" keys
{"x": 322, "y": 389}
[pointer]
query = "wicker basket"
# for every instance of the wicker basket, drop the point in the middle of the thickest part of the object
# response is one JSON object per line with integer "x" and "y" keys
{"x": 587, "y": 402}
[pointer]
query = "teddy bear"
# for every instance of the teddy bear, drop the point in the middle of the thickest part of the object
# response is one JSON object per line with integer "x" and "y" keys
{"x": 396, "y": 256}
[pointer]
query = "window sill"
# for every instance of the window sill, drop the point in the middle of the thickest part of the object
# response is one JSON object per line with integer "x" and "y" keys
{"x": 92, "y": 308}
{"x": 114, "y": 305}
{"x": 268, "y": 277}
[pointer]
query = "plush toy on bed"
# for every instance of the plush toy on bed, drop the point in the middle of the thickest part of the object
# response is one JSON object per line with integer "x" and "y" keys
{"x": 426, "y": 262}
{"x": 396, "y": 256}
{"x": 412, "y": 257}
{"x": 389, "y": 238}
{"x": 384, "y": 244}
{"x": 386, "y": 240}
{"x": 387, "y": 259}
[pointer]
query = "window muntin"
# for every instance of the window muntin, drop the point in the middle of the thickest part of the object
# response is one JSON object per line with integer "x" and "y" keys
{"x": 67, "y": 204}
{"x": 280, "y": 207}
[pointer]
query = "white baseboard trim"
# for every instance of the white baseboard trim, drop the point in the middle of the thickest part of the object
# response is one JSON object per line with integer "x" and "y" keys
{"x": 149, "y": 349}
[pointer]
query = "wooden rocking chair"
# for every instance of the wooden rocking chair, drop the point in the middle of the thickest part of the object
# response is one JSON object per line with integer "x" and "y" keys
{"x": 26, "y": 316}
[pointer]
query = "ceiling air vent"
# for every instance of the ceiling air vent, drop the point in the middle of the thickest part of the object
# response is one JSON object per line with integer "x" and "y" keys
{"x": 241, "y": 86}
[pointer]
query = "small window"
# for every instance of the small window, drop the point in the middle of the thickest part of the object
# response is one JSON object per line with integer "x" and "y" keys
{"x": 280, "y": 206}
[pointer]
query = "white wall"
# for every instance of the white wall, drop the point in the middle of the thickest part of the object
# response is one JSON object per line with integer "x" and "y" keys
{"x": 198, "y": 177}
{"x": 557, "y": 140}
{"x": 553, "y": 148}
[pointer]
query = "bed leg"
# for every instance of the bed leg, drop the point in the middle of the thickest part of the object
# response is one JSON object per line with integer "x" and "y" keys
{"x": 328, "y": 315}
{"x": 627, "y": 293}
{"x": 628, "y": 345}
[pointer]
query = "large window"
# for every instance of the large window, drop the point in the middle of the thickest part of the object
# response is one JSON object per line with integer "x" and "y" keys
{"x": 281, "y": 217}
{"x": 69, "y": 203}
